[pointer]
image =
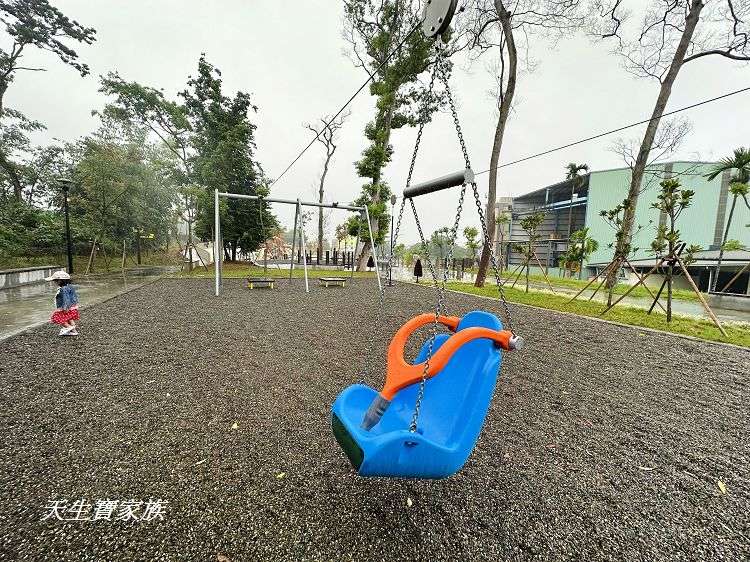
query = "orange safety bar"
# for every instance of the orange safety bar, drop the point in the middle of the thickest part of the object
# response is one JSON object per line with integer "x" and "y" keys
{"x": 400, "y": 374}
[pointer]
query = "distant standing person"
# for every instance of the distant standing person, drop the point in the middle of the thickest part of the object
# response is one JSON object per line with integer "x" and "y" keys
{"x": 418, "y": 269}
{"x": 66, "y": 304}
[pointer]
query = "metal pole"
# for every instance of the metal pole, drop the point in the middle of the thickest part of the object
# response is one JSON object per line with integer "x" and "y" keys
{"x": 217, "y": 252}
{"x": 372, "y": 245}
{"x": 68, "y": 241}
{"x": 354, "y": 255}
{"x": 294, "y": 241}
{"x": 304, "y": 246}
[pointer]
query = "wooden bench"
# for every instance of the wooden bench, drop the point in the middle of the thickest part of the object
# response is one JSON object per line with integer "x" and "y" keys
{"x": 260, "y": 283}
{"x": 332, "y": 281}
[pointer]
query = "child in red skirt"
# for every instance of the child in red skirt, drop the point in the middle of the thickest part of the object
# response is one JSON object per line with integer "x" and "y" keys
{"x": 66, "y": 304}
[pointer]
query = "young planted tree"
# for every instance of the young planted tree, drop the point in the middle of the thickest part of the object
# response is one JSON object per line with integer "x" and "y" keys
{"x": 671, "y": 201}
{"x": 581, "y": 247}
{"x": 325, "y": 132}
{"x": 739, "y": 166}
{"x": 671, "y": 34}
{"x": 32, "y": 24}
{"x": 576, "y": 178}
{"x": 530, "y": 224}
{"x": 439, "y": 242}
{"x": 373, "y": 29}
{"x": 507, "y": 29}
{"x": 472, "y": 242}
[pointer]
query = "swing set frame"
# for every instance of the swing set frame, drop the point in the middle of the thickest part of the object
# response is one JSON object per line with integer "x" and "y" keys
{"x": 298, "y": 224}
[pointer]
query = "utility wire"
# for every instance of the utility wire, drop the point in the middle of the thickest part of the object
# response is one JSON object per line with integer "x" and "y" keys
{"x": 351, "y": 99}
{"x": 587, "y": 139}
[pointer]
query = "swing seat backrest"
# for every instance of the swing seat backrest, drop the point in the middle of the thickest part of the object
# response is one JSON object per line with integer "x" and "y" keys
{"x": 452, "y": 413}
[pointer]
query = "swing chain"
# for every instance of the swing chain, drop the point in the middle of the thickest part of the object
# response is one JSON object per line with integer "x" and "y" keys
{"x": 454, "y": 114}
{"x": 493, "y": 259}
{"x": 485, "y": 233}
{"x": 439, "y": 307}
{"x": 389, "y": 266}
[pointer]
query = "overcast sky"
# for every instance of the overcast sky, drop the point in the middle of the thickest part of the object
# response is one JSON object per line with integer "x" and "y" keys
{"x": 289, "y": 55}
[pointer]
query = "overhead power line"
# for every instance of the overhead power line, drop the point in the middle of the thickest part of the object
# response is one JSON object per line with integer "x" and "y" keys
{"x": 624, "y": 127}
{"x": 351, "y": 99}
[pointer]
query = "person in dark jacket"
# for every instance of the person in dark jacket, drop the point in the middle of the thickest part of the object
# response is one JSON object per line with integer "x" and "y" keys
{"x": 418, "y": 269}
{"x": 66, "y": 304}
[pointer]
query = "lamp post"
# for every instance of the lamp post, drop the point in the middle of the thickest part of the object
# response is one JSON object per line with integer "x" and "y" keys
{"x": 65, "y": 184}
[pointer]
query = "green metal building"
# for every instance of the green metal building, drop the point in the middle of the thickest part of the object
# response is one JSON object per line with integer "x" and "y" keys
{"x": 568, "y": 208}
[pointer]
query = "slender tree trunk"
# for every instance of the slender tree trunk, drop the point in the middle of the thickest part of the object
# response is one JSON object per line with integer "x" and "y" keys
{"x": 321, "y": 192}
{"x": 723, "y": 242}
{"x": 505, "y": 105}
{"x": 10, "y": 169}
{"x": 639, "y": 168}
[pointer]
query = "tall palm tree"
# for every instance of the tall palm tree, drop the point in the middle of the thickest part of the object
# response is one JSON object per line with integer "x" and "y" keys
{"x": 574, "y": 174}
{"x": 739, "y": 163}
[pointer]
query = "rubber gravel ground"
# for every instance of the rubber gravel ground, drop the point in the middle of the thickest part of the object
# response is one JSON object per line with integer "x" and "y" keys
{"x": 602, "y": 442}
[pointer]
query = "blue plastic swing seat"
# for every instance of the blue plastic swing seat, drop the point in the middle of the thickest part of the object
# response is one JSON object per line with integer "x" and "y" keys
{"x": 455, "y": 404}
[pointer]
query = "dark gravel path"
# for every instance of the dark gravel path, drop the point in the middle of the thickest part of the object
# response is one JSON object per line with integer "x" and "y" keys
{"x": 589, "y": 452}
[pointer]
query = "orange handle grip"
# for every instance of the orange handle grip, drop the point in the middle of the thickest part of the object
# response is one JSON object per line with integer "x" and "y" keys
{"x": 400, "y": 374}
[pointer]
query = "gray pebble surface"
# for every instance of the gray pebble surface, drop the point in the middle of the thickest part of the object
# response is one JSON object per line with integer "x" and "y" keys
{"x": 602, "y": 442}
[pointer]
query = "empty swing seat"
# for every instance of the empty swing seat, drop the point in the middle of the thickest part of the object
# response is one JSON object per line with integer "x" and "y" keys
{"x": 462, "y": 373}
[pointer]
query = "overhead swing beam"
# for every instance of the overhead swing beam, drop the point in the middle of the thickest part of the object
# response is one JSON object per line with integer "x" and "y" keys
{"x": 438, "y": 184}
{"x": 298, "y": 215}
{"x": 290, "y": 201}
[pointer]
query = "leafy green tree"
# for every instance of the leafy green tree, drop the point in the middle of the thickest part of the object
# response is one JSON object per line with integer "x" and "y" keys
{"x": 530, "y": 224}
{"x": 739, "y": 165}
{"x": 224, "y": 144}
{"x": 32, "y": 24}
{"x": 672, "y": 201}
{"x": 439, "y": 242}
{"x": 472, "y": 243}
{"x": 118, "y": 192}
{"x": 373, "y": 30}
{"x": 580, "y": 248}
{"x": 213, "y": 140}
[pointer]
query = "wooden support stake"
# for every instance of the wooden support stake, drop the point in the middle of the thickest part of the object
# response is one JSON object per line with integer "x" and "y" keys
{"x": 591, "y": 282}
{"x": 122, "y": 265}
{"x": 733, "y": 279}
{"x": 544, "y": 272}
{"x": 640, "y": 280}
{"x": 91, "y": 257}
{"x": 700, "y": 297}
{"x": 646, "y": 286}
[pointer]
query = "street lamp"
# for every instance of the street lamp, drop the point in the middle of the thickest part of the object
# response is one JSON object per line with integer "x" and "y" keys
{"x": 65, "y": 184}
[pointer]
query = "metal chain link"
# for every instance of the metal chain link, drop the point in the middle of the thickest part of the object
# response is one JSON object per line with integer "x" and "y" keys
{"x": 439, "y": 307}
{"x": 389, "y": 267}
{"x": 485, "y": 233}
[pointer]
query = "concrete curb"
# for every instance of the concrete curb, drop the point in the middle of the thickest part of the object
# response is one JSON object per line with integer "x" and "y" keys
{"x": 592, "y": 318}
{"x": 85, "y": 307}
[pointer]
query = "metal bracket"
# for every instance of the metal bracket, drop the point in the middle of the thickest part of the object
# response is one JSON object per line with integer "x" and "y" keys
{"x": 437, "y": 16}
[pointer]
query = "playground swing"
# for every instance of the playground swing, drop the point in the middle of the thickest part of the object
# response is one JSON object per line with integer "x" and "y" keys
{"x": 425, "y": 421}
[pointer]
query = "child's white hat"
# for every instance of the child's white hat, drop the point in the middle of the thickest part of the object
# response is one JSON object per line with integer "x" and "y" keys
{"x": 58, "y": 275}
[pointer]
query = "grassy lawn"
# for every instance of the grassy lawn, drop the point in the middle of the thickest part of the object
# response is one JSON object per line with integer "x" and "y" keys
{"x": 240, "y": 270}
{"x": 620, "y": 288}
{"x": 704, "y": 329}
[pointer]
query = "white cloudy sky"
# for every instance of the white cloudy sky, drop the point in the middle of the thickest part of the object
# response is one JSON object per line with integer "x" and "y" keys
{"x": 290, "y": 56}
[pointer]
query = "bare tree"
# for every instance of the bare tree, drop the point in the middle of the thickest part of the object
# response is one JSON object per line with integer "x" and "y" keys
{"x": 505, "y": 28}
{"x": 671, "y": 34}
{"x": 326, "y": 135}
